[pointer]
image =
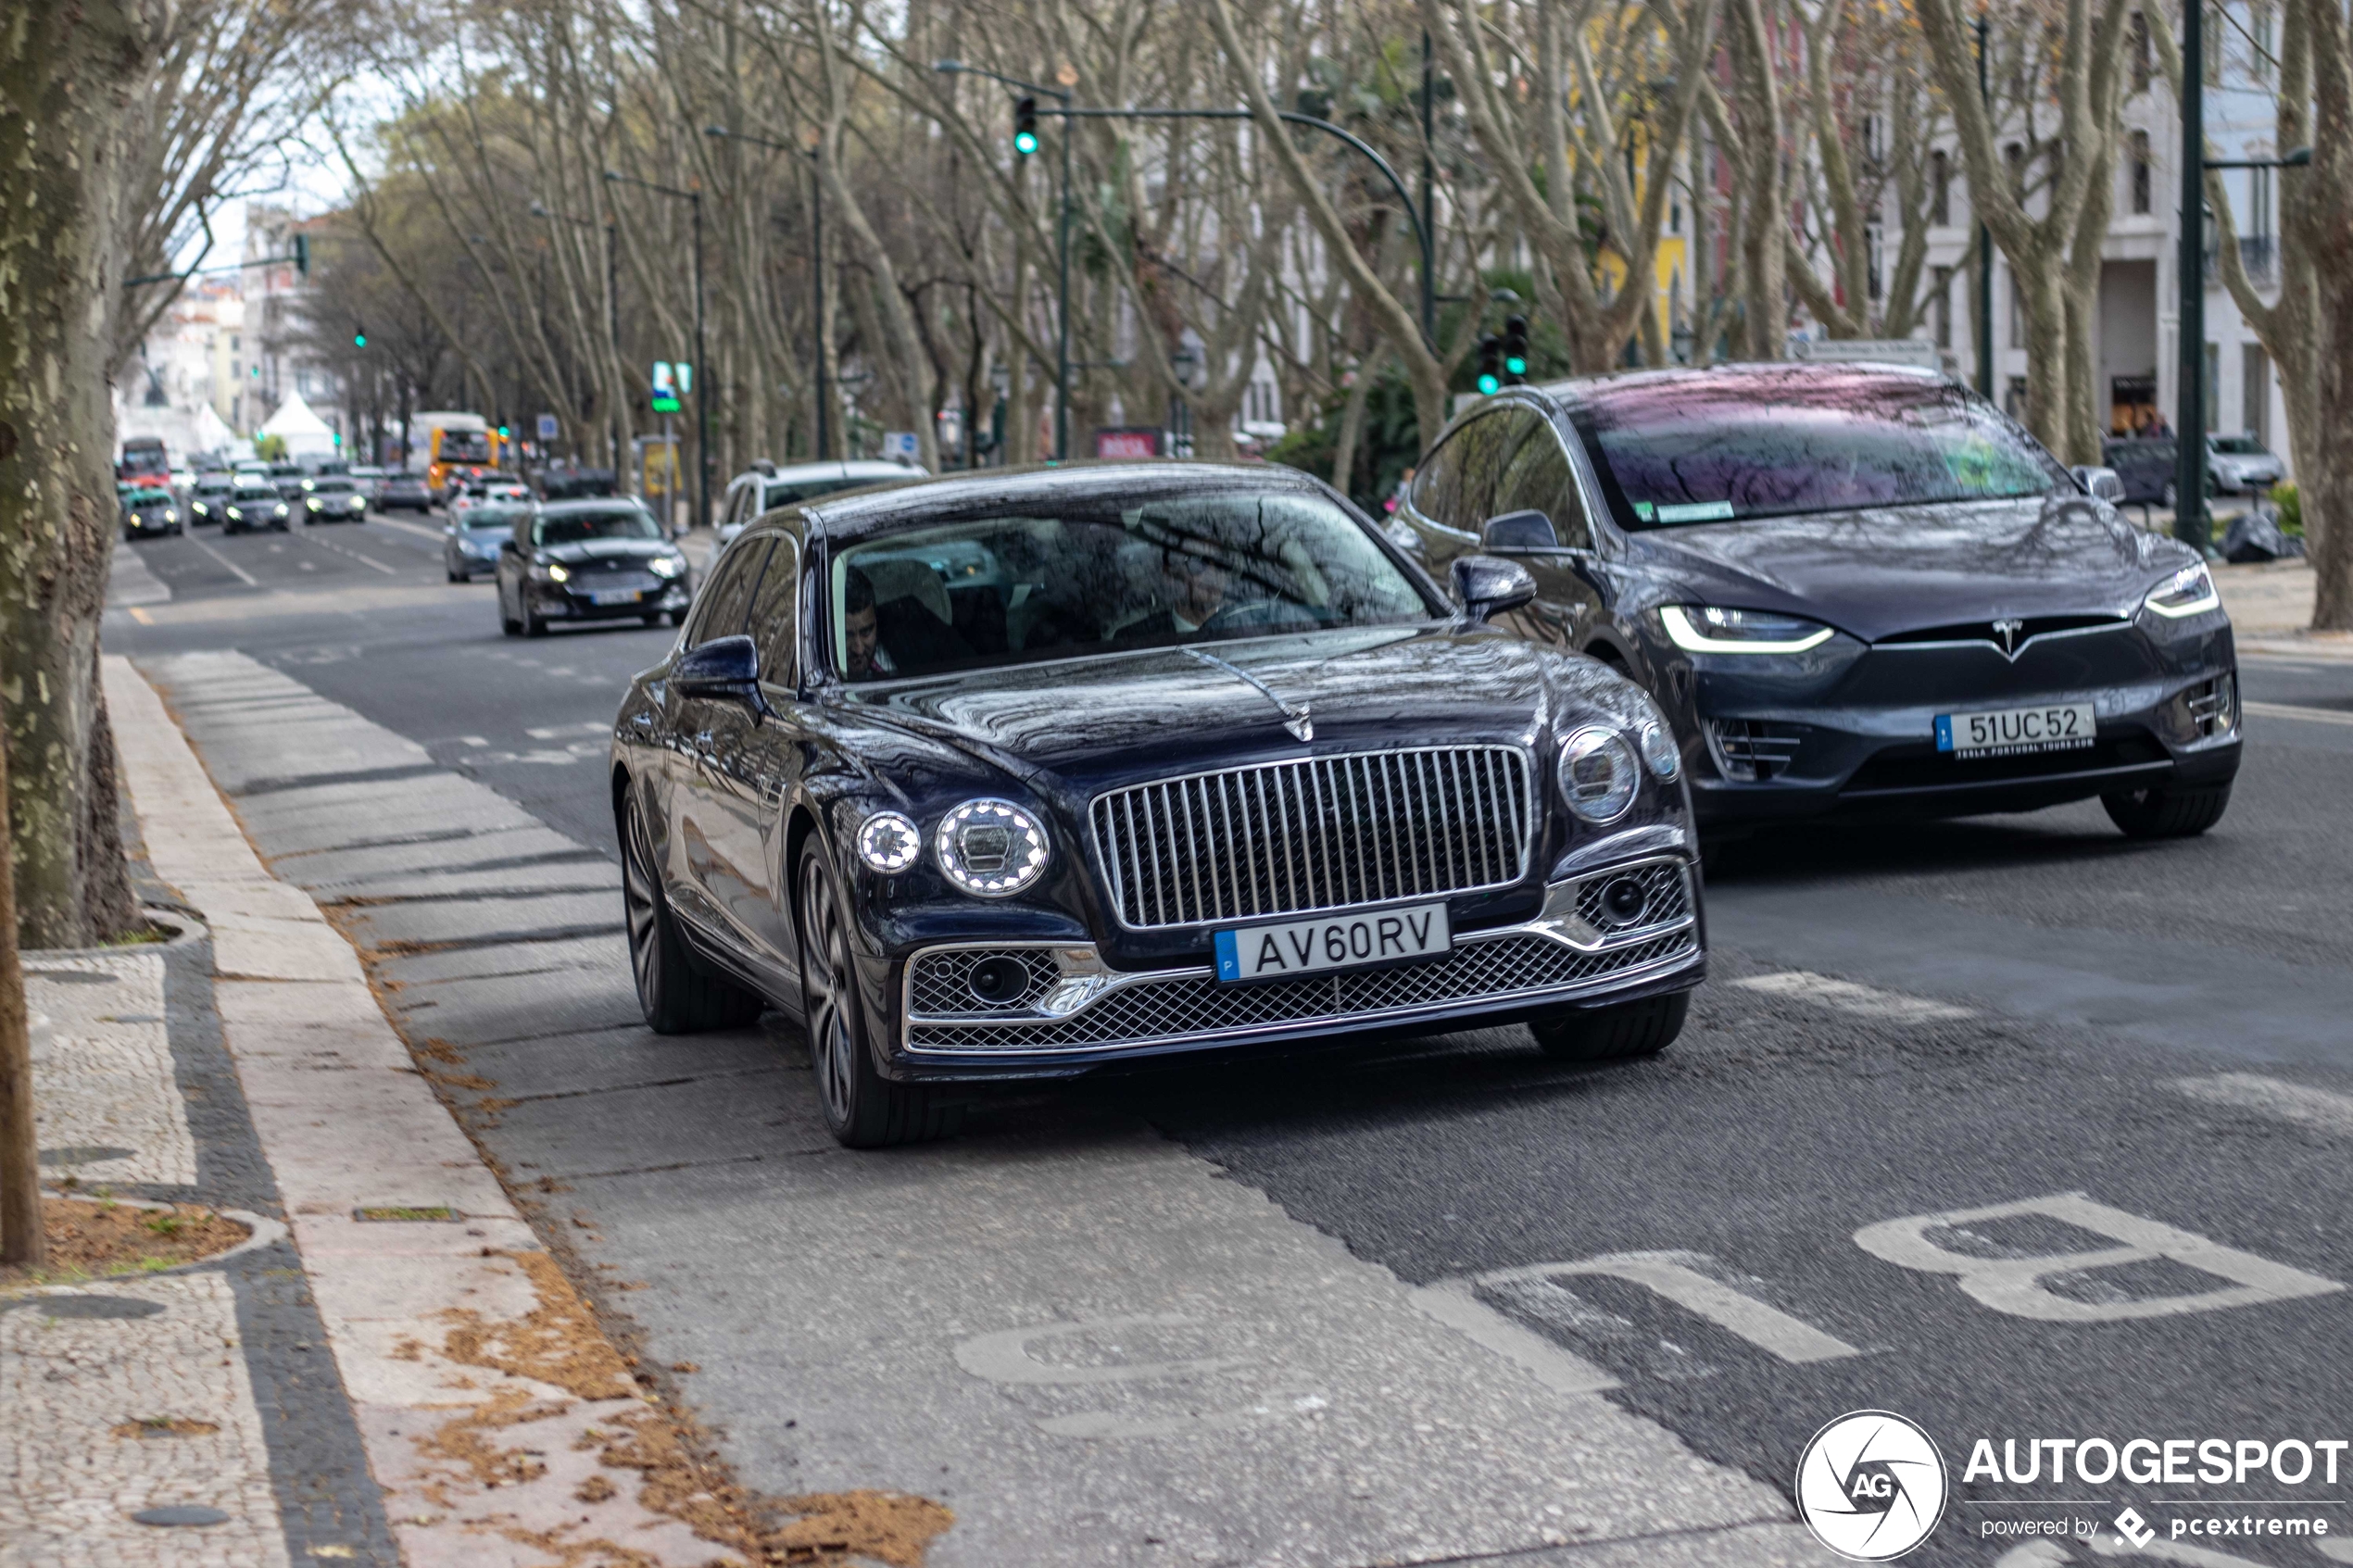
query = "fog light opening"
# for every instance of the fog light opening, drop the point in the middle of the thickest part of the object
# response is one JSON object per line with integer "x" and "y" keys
{"x": 1624, "y": 902}
{"x": 1000, "y": 980}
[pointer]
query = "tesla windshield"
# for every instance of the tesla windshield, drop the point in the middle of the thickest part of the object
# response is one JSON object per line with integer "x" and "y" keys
{"x": 1101, "y": 575}
{"x": 1675, "y": 450}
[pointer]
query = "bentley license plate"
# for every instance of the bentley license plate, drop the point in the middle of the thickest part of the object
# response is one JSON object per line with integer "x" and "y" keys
{"x": 1309, "y": 947}
{"x": 2011, "y": 732}
{"x": 614, "y": 597}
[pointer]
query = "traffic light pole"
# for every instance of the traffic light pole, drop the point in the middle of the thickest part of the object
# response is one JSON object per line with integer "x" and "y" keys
{"x": 2189, "y": 426}
{"x": 702, "y": 364}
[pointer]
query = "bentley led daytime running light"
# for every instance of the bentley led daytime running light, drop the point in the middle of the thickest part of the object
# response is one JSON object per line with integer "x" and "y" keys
{"x": 1598, "y": 773}
{"x": 990, "y": 848}
{"x": 889, "y": 842}
{"x": 2188, "y": 592}
{"x": 1702, "y": 636}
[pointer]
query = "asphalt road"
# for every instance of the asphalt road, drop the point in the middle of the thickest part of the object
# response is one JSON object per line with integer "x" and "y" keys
{"x": 2143, "y": 1053}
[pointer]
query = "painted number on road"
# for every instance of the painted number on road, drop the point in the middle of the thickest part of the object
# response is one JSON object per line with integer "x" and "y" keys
{"x": 2019, "y": 1283}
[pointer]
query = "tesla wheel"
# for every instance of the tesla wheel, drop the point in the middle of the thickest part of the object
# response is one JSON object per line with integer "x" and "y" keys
{"x": 1630, "y": 1029}
{"x": 862, "y": 1109}
{"x": 677, "y": 995}
{"x": 2167, "y": 813}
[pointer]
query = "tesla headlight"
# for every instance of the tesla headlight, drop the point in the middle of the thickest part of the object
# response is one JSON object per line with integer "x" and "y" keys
{"x": 665, "y": 566}
{"x": 990, "y": 848}
{"x": 2188, "y": 592}
{"x": 889, "y": 842}
{"x": 1705, "y": 629}
{"x": 1598, "y": 773}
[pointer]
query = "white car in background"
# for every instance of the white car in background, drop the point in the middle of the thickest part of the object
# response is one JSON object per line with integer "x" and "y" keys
{"x": 2242, "y": 462}
{"x": 764, "y": 486}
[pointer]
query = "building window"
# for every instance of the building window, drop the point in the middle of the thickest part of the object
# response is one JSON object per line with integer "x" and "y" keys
{"x": 2259, "y": 39}
{"x": 2141, "y": 52}
{"x": 232, "y": 340}
{"x": 1941, "y": 307}
{"x": 2140, "y": 157}
{"x": 2210, "y": 67}
{"x": 2213, "y": 387}
{"x": 2014, "y": 399}
{"x": 2018, "y": 313}
{"x": 2254, "y": 392}
{"x": 1940, "y": 188}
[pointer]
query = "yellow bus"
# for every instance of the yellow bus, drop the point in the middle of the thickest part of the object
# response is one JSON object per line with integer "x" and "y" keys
{"x": 449, "y": 448}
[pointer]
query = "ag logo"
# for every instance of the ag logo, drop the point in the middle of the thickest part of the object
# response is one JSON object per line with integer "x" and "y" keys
{"x": 1870, "y": 1485}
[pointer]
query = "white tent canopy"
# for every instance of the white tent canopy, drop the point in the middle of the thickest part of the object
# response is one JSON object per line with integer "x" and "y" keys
{"x": 304, "y": 433}
{"x": 212, "y": 432}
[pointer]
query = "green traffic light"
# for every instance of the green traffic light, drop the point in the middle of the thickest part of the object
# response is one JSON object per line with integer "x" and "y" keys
{"x": 1516, "y": 366}
{"x": 360, "y": 339}
{"x": 1489, "y": 385}
{"x": 1025, "y": 143}
{"x": 502, "y": 433}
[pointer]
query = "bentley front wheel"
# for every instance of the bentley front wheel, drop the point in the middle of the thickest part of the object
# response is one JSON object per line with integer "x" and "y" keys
{"x": 677, "y": 995}
{"x": 862, "y": 1109}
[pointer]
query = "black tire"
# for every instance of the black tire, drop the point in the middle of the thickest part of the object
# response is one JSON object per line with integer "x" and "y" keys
{"x": 653, "y": 620}
{"x": 862, "y": 1109}
{"x": 2167, "y": 813}
{"x": 677, "y": 618}
{"x": 1630, "y": 1029}
{"x": 511, "y": 626}
{"x": 532, "y": 625}
{"x": 676, "y": 993}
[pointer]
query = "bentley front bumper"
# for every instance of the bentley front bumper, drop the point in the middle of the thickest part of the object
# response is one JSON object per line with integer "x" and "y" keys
{"x": 1045, "y": 1004}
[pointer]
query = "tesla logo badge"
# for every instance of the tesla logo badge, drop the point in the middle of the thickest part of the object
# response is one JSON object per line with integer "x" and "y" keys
{"x": 2008, "y": 631}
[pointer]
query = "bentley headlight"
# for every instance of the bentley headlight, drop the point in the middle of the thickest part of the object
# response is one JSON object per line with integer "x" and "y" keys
{"x": 889, "y": 842}
{"x": 1705, "y": 629}
{"x": 2188, "y": 592}
{"x": 991, "y": 848}
{"x": 665, "y": 566}
{"x": 1659, "y": 751}
{"x": 1598, "y": 773}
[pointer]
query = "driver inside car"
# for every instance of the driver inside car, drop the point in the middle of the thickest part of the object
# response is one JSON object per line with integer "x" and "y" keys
{"x": 1192, "y": 597}
{"x": 867, "y": 659}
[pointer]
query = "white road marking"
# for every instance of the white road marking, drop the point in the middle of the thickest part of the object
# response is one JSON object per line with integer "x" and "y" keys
{"x": 2317, "y": 1108}
{"x": 2014, "y": 1284}
{"x": 353, "y": 554}
{"x": 471, "y": 740}
{"x": 418, "y": 529}
{"x": 594, "y": 727}
{"x": 1862, "y": 1001}
{"x": 238, "y": 572}
{"x": 1452, "y": 1302}
{"x": 2290, "y": 710}
{"x": 1677, "y": 1276}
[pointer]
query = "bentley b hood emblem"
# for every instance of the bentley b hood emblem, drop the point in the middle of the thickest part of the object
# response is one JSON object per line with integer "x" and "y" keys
{"x": 1296, "y": 717}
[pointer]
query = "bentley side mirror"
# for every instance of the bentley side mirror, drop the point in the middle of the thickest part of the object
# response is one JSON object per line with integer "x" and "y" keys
{"x": 721, "y": 667}
{"x": 1488, "y": 586}
{"x": 2100, "y": 484}
{"x": 1520, "y": 531}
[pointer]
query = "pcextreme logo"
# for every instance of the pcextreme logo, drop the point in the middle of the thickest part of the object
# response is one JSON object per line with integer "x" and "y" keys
{"x": 1870, "y": 1485}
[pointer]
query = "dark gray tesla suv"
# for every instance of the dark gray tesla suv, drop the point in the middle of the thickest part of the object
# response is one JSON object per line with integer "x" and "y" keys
{"x": 1851, "y": 588}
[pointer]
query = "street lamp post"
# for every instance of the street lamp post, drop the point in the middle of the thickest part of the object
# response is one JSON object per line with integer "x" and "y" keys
{"x": 2189, "y": 427}
{"x": 1984, "y": 333}
{"x": 613, "y": 300}
{"x": 816, "y": 258}
{"x": 702, "y": 363}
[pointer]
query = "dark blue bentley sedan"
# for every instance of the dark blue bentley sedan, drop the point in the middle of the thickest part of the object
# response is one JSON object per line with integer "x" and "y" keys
{"x": 1851, "y": 588}
{"x": 1014, "y": 774}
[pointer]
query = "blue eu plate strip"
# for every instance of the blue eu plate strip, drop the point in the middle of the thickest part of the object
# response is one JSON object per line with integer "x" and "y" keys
{"x": 1944, "y": 732}
{"x": 1229, "y": 963}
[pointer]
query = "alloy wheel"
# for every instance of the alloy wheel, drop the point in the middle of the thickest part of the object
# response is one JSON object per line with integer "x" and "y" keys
{"x": 825, "y": 968}
{"x": 641, "y": 904}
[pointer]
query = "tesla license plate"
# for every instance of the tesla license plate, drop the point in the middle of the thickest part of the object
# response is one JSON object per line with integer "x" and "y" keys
{"x": 614, "y": 597}
{"x": 1309, "y": 947}
{"x": 2011, "y": 732}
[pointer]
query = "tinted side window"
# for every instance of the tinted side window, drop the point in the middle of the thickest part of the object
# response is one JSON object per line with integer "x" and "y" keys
{"x": 1537, "y": 479}
{"x": 1473, "y": 456}
{"x": 775, "y": 614}
{"x": 1437, "y": 481}
{"x": 725, "y": 599}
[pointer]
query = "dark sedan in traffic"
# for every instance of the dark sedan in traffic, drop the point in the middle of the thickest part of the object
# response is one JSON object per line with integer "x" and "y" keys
{"x": 253, "y": 503}
{"x": 403, "y": 491}
{"x": 334, "y": 497}
{"x": 587, "y": 560}
{"x": 472, "y": 541}
{"x": 1852, "y": 588}
{"x": 1016, "y": 775}
{"x": 147, "y": 509}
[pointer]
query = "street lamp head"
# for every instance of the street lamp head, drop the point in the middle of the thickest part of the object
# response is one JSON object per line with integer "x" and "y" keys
{"x": 947, "y": 68}
{"x": 539, "y": 209}
{"x": 714, "y": 131}
{"x": 612, "y": 178}
{"x": 2300, "y": 158}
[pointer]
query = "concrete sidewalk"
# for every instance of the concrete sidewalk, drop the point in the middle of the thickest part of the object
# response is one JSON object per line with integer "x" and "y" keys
{"x": 501, "y": 1424}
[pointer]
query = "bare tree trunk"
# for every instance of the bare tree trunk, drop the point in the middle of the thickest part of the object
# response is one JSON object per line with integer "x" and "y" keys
{"x": 66, "y": 75}
{"x": 22, "y": 1241}
{"x": 2329, "y": 486}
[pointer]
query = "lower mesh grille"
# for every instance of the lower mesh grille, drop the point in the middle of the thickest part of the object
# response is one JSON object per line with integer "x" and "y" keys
{"x": 1497, "y": 969}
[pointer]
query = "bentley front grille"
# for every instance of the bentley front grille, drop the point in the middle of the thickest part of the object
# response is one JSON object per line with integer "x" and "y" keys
{"x": 1329, "y": 833}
